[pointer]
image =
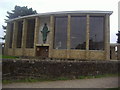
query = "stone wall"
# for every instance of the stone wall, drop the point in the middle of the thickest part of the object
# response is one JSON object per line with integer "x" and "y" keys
{"x": 14, "y": 69}
{"x": 115, "y": 51}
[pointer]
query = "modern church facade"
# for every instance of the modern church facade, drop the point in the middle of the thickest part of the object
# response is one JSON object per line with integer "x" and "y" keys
{"x": 71, "y": 35}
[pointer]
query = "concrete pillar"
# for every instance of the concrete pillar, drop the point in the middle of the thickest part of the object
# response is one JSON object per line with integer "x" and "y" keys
{"x": 113, "y": 53}
{"x": 7, "y": 38}
{"x": 68, "y": 32}
{"x": 107, "y": 38}
{"x": 118, "y": 52}
{"x": 51, "y": 35}
{"x": 68, "y": 36}
{"x": 37, "y": 25}
{"x": 87, "y": 36}
{"x": 15, "y": 30}
{"x": 24, "y": 36}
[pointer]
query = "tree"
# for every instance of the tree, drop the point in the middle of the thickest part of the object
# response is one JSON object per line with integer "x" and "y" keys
{"x": 118, "y": 34}
{"x": 3, "y": 38}
{"x": 18, "y": 12}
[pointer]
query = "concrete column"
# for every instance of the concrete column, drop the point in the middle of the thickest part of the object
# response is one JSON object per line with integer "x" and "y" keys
{"x": 68, "y": 36}
{"x": 51, "y": 35}
{"x": 113, "y": 53}
{"x": 7, "y": 38}
{"x": 107, "y": 38}
{"x": 24, "y": 36}
{"x": 15, "y": 30}
{"x": 37, "y": 24}
{"x": 87, "y": 36}
{"x": 118, "y": 52}
{"x": 68, "y": 32}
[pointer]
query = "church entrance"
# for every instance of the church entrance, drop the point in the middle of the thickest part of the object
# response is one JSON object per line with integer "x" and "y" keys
{"x": 42, "y": 51}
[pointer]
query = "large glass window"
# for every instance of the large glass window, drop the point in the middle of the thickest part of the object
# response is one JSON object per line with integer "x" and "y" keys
{"x": 11, "y": 35}
{"x": 19, "y": 34}
{"x": 78, "y": 32}
{"x": 30, "y": 33}
{"x": 96, "y": 41}
{"x": 60, "y": 40}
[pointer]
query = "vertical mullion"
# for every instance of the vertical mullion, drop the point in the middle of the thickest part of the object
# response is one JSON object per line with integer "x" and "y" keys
{"x": 68, "y": 32}
{"x": 52, "y": 36}
{"x": 107, "y": 38}
{"x": 87, "y": 32}
{"x": 68, "y": 36}
{"x": 87, "y": 36}
{"x": 37, "y": 23}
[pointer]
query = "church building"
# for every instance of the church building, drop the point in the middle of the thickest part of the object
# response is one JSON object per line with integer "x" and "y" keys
{"x": 68, "y": 34}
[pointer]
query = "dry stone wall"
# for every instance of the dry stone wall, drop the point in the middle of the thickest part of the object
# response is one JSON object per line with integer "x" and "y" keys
{"x": 17, "y": 69}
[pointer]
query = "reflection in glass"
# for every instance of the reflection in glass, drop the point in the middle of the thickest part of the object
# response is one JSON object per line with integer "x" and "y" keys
{"x": 30, "y": 33}
{"x": 96, "y": 41}
{"x": 78, "y": 32}
{"x": 11, "y": 35}
{"x": 60, "y": 40}
{"x": 19, "y": 34}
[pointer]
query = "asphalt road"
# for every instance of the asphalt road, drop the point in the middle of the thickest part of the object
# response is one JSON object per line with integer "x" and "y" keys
{"x": 106, "y": 82}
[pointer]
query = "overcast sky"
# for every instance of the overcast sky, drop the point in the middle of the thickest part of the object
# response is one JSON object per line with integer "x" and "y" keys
{"x": 42, "y": 6}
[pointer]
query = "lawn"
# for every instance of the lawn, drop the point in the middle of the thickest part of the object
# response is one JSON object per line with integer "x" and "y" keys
{"x": 8, "y": 57}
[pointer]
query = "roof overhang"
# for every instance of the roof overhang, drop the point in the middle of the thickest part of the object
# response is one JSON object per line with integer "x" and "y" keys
{"x": 62, "y": 12}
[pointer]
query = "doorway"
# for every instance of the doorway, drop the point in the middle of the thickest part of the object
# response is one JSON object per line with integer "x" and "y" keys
{"x": 42, "y": 51}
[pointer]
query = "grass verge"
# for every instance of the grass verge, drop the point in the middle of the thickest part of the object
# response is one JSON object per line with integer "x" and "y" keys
{"x": 56, "y": 79}
{"x": 97, "y": 76}
{"x": 113, "y": 88}
{"x": 34, "y": 80}
{"x": 8, "y": 57}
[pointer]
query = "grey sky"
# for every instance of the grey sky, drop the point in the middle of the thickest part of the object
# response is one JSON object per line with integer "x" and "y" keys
{"x": 64, "y": 5}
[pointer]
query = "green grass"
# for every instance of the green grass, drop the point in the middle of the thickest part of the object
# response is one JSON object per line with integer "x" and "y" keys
{"x": 113, "y": 88}
{"x": 7, "y": 81}
{"x": 98, "y": 76}
{"x": 56, "y": 79}
{"x": 23, "y": 80}
{"x": 81, "y": 77}
{"x": 62, "y": 78}
{"x": 8, "y": 57}
{"x": 106, "y": 75}
{"x": 34, "y": 80}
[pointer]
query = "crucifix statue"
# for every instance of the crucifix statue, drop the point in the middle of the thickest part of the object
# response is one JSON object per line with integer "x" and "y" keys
{"x": 44, "y": 32}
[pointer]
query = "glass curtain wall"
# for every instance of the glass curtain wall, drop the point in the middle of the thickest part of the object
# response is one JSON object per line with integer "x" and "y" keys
{"x": 78, "y": 32}
{"x": 96, "y": 41}
{"x": 30, "y": 33}
{"x": 19, "y": 34}
{"x": 60, "y": 40}
{"x": 11, "y": 35}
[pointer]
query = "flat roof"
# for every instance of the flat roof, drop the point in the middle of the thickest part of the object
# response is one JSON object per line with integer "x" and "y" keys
{"x": 62, "y": 12}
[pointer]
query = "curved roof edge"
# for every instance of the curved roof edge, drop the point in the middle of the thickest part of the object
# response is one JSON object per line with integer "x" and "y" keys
{"x": 62, "y": 12}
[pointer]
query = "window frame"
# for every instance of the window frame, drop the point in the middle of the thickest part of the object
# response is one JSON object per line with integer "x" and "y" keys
{"x": 103, "y": 32}
{"x": 55, "y": 28}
